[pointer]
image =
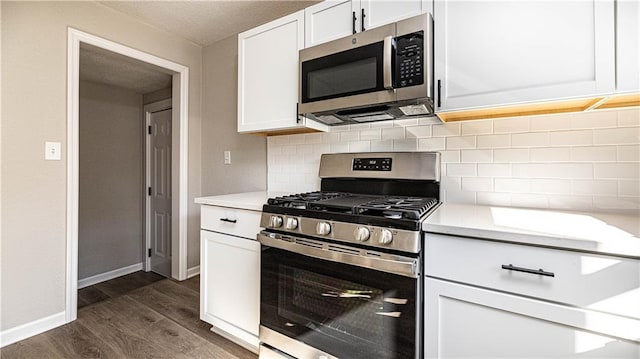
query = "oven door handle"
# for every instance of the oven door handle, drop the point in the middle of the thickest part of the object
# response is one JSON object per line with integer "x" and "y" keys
{"x": 404, "y": 266}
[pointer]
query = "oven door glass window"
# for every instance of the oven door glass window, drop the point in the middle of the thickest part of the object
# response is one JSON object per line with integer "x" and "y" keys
{"x": 346, "y": 73}
{"x": 344, "y": 310}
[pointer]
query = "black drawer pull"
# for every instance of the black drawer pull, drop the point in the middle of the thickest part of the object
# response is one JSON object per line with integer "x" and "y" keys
{"x": 228, "y": 220}
{"x": 527, "y": 270}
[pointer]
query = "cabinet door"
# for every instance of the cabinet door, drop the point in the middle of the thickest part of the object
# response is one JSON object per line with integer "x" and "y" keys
{"x": 268, "y": 74}
{"x": 491, "y": 53}
{"x": 330, "y": 20}
{"x": 464, "y": 321}
{"x": 628, "y": 46}
{"x": 230, "y": 281}
{"x": 380, "y": 12}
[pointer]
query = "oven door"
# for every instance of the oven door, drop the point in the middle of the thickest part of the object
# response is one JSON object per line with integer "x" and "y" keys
{"x": 309, "y": 293}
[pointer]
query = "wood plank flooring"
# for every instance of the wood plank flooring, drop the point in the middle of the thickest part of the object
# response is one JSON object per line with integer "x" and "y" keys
{"x": 136, "y": 317}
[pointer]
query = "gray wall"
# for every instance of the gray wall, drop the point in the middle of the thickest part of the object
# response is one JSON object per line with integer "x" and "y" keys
{"x": 34, "y": 110}
{"x": 110, "y": 223}
{"x": 248, "y": 168}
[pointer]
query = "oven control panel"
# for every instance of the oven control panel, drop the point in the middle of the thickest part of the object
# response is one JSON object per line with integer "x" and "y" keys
{"x": 371, "y": 164}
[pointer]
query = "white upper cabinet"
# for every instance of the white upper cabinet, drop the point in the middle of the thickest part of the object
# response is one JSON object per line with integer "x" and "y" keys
{"x": 492, "y": 53}
{"x": 268, "y": 76}
{"x": 628, "y": 46}
{"x": 333, "y": 19}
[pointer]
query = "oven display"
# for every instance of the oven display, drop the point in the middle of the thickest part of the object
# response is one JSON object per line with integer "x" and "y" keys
{"x": 371, "y": 164}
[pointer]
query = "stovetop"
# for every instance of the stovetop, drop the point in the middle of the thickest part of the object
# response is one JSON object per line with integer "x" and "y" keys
{"x": 402, "y": 212}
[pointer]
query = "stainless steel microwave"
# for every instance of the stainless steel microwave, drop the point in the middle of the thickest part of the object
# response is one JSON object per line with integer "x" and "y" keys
{"x": 379, "y": 74}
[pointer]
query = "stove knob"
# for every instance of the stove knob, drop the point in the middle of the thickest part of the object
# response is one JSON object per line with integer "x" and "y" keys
{"x": 292, "y": 223}
{"x": 323, "y": 228}
{"x": 361, "y": 234}
{"x": 275, "y": 221}
{"x": 386, "y": 236}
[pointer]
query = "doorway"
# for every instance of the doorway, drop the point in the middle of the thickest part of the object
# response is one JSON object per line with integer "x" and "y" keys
{"x": 178, "y": 157}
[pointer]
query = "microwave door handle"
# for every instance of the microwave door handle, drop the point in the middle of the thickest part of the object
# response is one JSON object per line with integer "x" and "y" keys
{"x": 386, "y": 63}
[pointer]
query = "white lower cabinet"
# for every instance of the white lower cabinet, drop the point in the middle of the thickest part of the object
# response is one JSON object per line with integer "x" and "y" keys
{"x": 468, "y": 316}
{"x": 230, "y": 285}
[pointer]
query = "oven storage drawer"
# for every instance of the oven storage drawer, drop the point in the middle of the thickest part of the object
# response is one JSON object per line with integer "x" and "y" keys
{"x": 603, "y": 283}
{"x": 236, "y": 222}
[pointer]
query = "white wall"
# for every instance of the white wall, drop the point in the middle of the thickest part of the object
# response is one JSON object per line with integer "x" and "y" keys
{"x": 110, "y": 223}
{"x": 581, "y": 161}
{"x": 34, "y": 100}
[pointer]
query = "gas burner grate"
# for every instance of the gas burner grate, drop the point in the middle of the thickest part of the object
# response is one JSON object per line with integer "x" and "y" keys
{"x": 397, "y": 207}
{"x": 303, "y": 200}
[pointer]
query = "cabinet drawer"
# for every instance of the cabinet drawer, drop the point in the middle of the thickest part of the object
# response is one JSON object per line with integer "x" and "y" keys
{"x": 604, "y": 283}
{"x": 233, "y": 221}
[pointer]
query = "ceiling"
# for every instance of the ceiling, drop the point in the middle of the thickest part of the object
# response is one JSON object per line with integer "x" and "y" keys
{"x": 109, "y": 68}
{"x": 202, "y": 22}
{"x": 205, "y": 22}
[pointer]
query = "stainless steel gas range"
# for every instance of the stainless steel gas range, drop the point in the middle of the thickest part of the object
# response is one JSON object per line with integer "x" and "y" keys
{"x": 341, "y": 268}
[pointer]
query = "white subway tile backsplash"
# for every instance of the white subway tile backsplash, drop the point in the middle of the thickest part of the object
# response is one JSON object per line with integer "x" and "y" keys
{"x": 571, "y": 138}
{"x": 450, "y": 156}
{"x": 557, "y": 122}
{"x": 494, "y": 170}
{"x": 359, "y": 146}
{"x": 476, "y": 127}
{"x": 494, "y": 141}
{"x": 532, "y": 139}
{"x": 553, "y": 170}
{"x": 431, "y": 144}
{"x": 371, "y": 134}
{"x": 313, "y": 138}
{"x": 550, "y": 154}
{"x": 382, "y": 146}
{"x": 629, "y": 188}
{"x": 512, "y": 185}
{"x": 511, "y": 125}
{"x": 410, "y": 144}
{"x": 595, "y": 187}
{"x": 477, "y": 184}
{"x": 446, "y": 129}
{"x": 418, "y": 131}
{"x": 461, "y": 170}
{"x": 393, "y": 133}
{"x": 511, "y": 155}
{"x": 616, "y": 170}
{"x": 476, "y": 156}
{"x": 594, "y": 154}
{"x": 461, "y": 142}
{"x": 550, "y": 186}
{"x": 493, "y": 199}
{"x": 617, "y": 136}
{"x": 630, "y": 117}
{"x": 629, "y": 153}
{"x": 596, "y": 119}
{"x": 587, "y": 161}
{"x": 349, "y": 136}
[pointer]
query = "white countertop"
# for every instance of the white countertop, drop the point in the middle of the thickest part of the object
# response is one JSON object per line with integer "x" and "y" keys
{"x": 592, "y": 232}
{"x": 246, "y": 200}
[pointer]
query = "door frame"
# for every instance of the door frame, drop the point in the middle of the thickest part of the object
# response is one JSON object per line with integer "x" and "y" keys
{"x": 148, "y": 110}
{"x": 179, "y": 156}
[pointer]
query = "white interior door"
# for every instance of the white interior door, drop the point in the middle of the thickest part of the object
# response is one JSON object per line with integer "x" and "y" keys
{"x": 159, "y": 182}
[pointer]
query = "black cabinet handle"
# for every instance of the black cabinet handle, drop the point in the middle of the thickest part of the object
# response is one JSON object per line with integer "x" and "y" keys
{"x": 527, "y": 270}
{"x": 439, "y": 92}
{"x": 354, "y": 22}
{"x": 228, "y": 220}
{"x": 362, "y": 20}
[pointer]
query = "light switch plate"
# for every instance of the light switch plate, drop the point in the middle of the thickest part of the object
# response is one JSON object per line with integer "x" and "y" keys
{"x": 227, "y": 157}
{"x": 52, "y": 151}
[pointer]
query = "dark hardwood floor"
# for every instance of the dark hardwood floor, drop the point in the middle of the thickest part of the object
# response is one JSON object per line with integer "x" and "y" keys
{"x": 140, "y": 315}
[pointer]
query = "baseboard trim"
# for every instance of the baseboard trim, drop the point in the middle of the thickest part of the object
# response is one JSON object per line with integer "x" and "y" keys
{"x": 98, "y": 278}
{"x": 30, "y": 329}
{"x": 193, "y": 271}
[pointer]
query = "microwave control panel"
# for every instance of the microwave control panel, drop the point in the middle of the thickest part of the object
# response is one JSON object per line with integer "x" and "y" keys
{"x": 409, "y": 60}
